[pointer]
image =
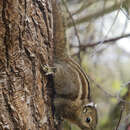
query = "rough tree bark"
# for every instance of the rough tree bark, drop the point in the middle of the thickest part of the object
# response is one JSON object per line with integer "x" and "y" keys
{"x": 26, "y": 44}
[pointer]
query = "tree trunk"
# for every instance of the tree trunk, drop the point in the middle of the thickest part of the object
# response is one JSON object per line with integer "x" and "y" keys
{"x": 26, "y": 44}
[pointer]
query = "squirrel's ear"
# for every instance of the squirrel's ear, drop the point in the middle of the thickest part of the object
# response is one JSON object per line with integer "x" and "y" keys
{"x": 91, "y": 104}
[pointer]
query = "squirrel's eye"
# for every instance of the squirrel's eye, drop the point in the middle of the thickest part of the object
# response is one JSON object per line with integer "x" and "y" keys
{"x": 88, "y": 120}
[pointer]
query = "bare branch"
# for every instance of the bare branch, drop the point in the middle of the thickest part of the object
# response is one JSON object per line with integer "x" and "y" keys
{"x": 84, "y": 6}
{"x": 119, "y": 118}
{"x": 105, "y": 41}
{"x": 108, "y": 94}
{"x": 97, "y": 14}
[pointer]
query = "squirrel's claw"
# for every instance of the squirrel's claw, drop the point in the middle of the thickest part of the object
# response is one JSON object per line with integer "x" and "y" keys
{"x": 48, "y": 70}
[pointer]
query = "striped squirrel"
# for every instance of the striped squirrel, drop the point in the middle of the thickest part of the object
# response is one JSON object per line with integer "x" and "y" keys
{"x": 72, "y": 99}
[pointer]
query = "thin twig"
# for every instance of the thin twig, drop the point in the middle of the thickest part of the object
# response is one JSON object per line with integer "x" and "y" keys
{"x": 101, "y": 88}
{"x": 106, "y": 35}
{"x": 125, "y": 27}
{"x": 84, "y": 6}
{"x": 119, "y": 118}
{"x": 95, "y": 15}
{"x": 117, "y": 96}
{"x": 105, "y": 41}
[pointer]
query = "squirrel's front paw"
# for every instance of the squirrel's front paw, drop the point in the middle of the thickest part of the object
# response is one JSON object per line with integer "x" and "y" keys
{"x": 48, "y": 70}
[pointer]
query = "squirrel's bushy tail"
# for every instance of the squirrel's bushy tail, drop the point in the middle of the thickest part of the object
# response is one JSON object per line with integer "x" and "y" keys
{"x": 60, "y": 49}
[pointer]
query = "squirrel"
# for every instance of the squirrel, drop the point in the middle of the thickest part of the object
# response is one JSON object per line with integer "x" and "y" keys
{"x": 72, "y": 99}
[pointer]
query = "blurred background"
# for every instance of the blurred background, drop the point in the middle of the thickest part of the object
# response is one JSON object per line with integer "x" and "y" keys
{"x": 98, "y": 36}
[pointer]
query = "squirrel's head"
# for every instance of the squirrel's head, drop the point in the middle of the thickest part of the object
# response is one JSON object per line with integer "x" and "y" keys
{"x": 86, "y": 117}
